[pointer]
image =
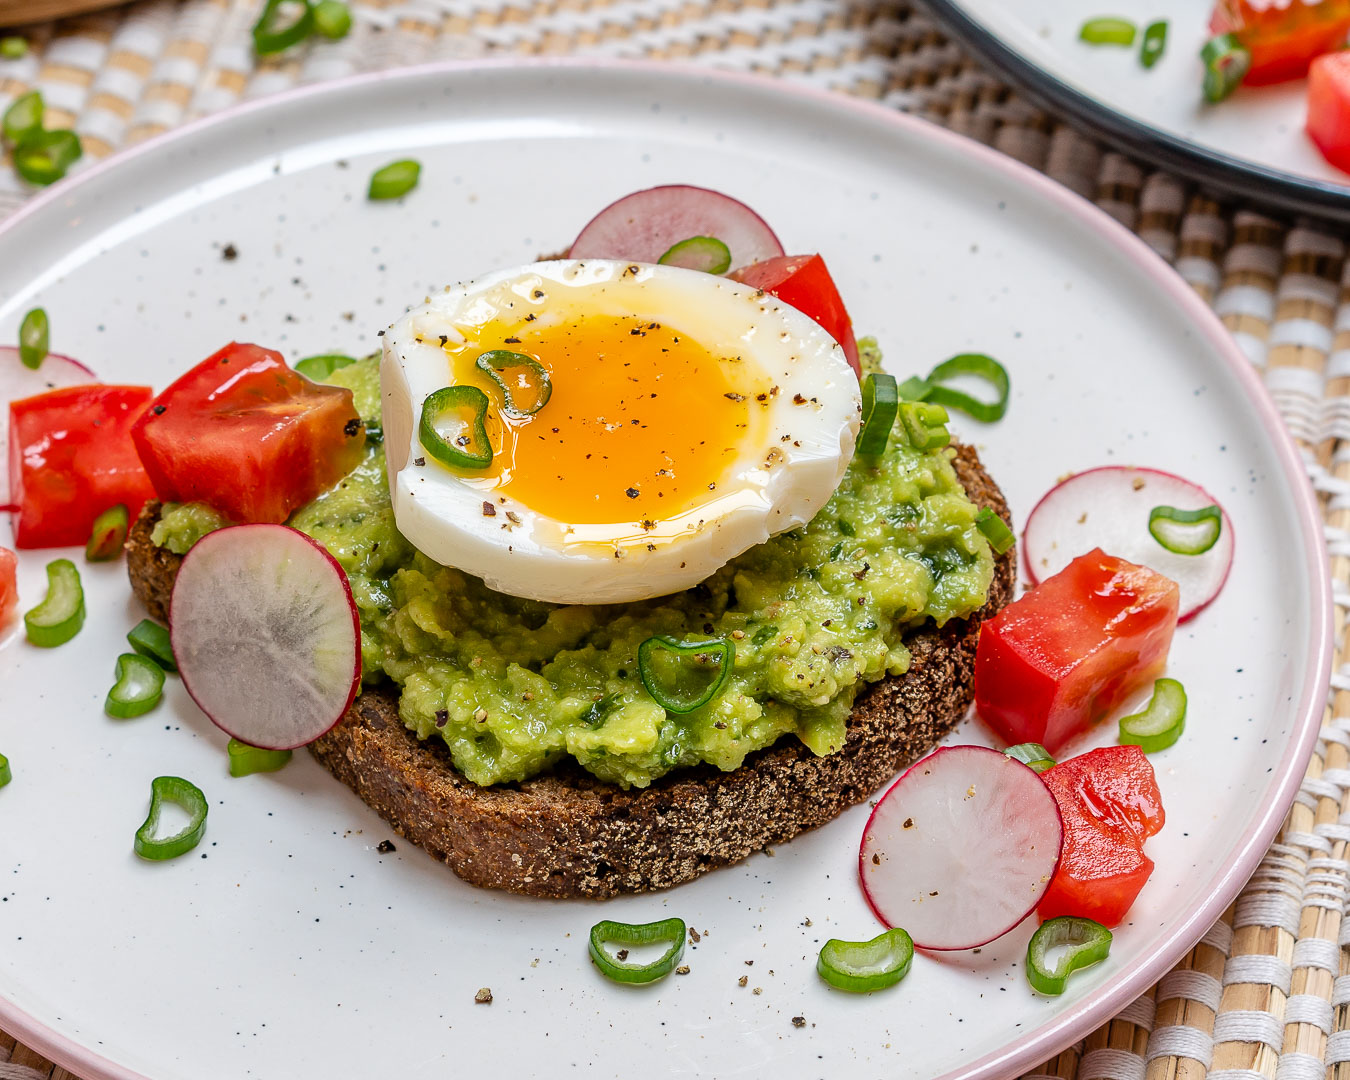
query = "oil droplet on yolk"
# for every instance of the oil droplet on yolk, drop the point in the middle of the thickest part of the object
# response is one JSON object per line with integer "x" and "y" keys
{"x": 642, "y": 423}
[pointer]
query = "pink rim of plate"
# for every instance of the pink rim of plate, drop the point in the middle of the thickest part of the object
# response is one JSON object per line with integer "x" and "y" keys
{"x": 1030, "y": 1048}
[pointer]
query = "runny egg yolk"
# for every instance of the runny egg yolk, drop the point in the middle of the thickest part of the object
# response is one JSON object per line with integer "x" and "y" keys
{"x": 642, "y": 422}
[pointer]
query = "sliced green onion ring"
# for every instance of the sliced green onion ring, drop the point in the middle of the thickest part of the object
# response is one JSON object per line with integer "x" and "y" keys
{"x": 1226, "y": 62}
{"x": 59, "y": 617}
{"x": 1089, "y": 943}
{"x": 880, "y": 400}
{"x": 153, "y": 641}
{"x": 914, "y": 389}
{"x": 318, "y": 368}
{"x": 608, "y": 932}
{"x": 1108, "y": 30}
{"x": 719, "y": 650}
{"x": 1031, "y": 754}
{"x": 453, "y": 429}
{"x": 108, "y": 534}
{"x": 395, "y": 180}
{"x": 23, "y": 116}
{"x": 524, "y": 381}
{"x": 1186, "y": 532}
{"x": 182, "y": 793}
{"x": 1162, "y": 721}
{"x": 332, "y": 19}
{"x": 977, "y": 364}
{"x": 925, "y": 424}
{"x": 139, "y": 686}
{"x": 246, "y": 760}
{"x": 1154, "y": 43}
{"x": 995, "y": 530}
{"x": 272, "y": 33}
{"x": 861, "y": 966}
{"x": 706, "y": 253}
{"x": 13, "y": 47}
{"x": 42, "y": 157}
{"x": 34, "y": 338}
{"x": 6, "y": 774}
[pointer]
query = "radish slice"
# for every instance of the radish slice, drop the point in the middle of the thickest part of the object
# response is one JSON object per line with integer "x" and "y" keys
{"x": 645, "y": 225}
{"x": 1109, "y": 508}
{"x": 961, "y": 848}
{"x": 18, "y": 381}
{"x": 266, "y": 634}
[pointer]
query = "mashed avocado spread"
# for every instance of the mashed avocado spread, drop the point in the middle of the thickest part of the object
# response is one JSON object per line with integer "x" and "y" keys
{"x": 513, "y": 686}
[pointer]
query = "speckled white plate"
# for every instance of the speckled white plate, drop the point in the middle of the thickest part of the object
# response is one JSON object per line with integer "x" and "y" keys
{"x": 1252, "y": 145}
{"x": 287, "y": 945}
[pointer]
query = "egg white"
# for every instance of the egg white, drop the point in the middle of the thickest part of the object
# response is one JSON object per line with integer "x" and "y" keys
{"x": 808, "y": 430}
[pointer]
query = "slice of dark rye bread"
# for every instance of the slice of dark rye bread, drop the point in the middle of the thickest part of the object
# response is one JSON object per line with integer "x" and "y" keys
{"x": 567, "y": 834}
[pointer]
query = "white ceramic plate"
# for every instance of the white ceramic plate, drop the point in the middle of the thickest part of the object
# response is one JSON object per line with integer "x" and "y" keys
{"x": 287, "y": 945}
{"x": 1251, "y": 145}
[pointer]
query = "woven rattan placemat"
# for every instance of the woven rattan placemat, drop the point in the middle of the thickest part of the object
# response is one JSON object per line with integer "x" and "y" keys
{"x": 1266, "y": 994}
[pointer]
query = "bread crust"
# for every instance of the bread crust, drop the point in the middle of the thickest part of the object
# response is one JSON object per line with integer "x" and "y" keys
{"x": 568, "y": 834}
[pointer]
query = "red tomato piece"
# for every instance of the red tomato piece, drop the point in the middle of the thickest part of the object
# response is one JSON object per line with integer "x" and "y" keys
{"x": 1329, "y": 107}
{"x": 70, "y": 458}
{"x": 1282, "y": 38}
{"x": 244, "y": 433}
{"x": 1110, "y": 803}
{"x": 9, "y": 586}
{"x": 804, "y": 282}
{"x": 1055, "y": 661}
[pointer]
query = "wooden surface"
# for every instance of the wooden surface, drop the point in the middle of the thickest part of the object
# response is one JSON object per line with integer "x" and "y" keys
{"x": 19, "y": 12}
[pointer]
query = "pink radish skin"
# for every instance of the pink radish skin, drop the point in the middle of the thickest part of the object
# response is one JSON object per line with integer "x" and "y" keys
{"x": 266, "y": 634}
{"x": 645, "y": 225}
{"x": 961, "y": 848}
{"x": 18, "y": 382}
{"x": 1108, "y": 507}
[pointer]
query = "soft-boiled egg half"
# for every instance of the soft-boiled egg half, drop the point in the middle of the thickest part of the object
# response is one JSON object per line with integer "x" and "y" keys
{"x": 629, "y": 428}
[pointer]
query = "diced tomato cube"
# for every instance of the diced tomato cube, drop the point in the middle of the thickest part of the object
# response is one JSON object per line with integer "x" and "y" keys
{"x": 1110, "y": 804}
{"x": 1329, "y": 107}
{"x": 1058, "y": 659}
{"x": 9, "y": 586}
{"x": 804, "y": 282}
{"x": 244, "y": 433}
{"x": 70, "y": 458}
{"x": 1283, "y": 38}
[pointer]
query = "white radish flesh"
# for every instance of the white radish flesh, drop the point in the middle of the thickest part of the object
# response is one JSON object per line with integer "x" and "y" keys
{"x": 1108, "y": 508}
{"x": 18, "y": 381}
{"x": 961, "y": 848}
{"x": 266, "y": 634}
{"x": 645, "y": 225}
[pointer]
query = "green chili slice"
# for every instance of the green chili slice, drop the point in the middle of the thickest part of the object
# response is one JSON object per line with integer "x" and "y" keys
{"x": 6, "y": 774}
{"x": 1162, "y": 721}
{"x": 332, "y": 19}
{"x": 1089, "y": 943}
{"x": 1226, "y": 65}
{"x": 13, "y": 47}
{"x": 452, "y": 428}
{"x": 59, "y": 617}
{"x": 608, "y": 932}
{"x": 23, "y": 116}
{"x": 42, "y": 157}
{"x": 1108, "y": 30}
{"x": 153, "y": 641}
{"x": 1186, "y": 532}
{"x": 524, "y": 381}
{"x": 879, "y": 403}
{"x": 981, "y": 366}
{"x": 914, "y": 389}
{"x": 1154, "y": 43}
{"x": 34, "y": 338}
{"x": 283, "y": 23}
{"x": 663, "y": 663}
{"x": 318, "y": 368}
{"x": 108, "y": 535}
{"x": 995, "y": 530}
{"x": 139, "y": 686}
{"x": 925, "y": 424}
{"x": 860, "y": 966}
{"x": 182, "y": 793}
{"x": 395, "y": 180}
{"x": 706, "y": 253}
{"x": 246, "y": 759}
{"x": 1031, "y": 754}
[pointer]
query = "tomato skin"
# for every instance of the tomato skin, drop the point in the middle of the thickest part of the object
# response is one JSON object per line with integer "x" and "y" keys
{"x": 70, "y": 458}
{"x": 244, "y": 433}
{"x": 1110, "y": 804}
{"x": 9, "y": 586}
{"x": 1283, "y": 39}
{"x": 1059, "y": 658}
{"x": 1328, "y": 121}
{"x": 804, "y": 282}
